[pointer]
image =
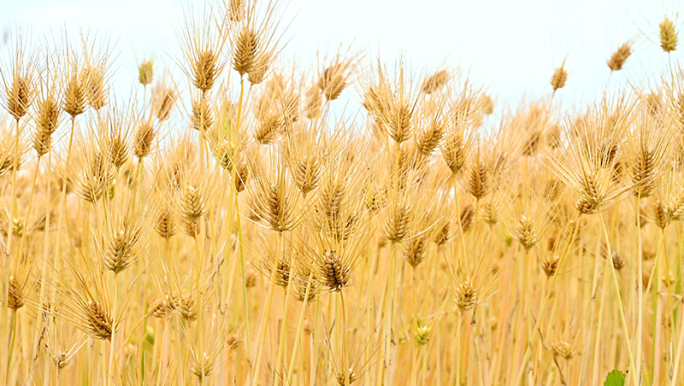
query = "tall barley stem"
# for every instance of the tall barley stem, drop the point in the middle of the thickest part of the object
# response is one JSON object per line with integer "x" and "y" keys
{"x": 112, "y": 343}
{"x": 532, "y": 337}
{"x": 639, "y": 287}
{"x": 300, "y": 327}
{"x": 283, "y": 329}
{"x": 609, "y": 265}
{"x": 266, "y": 312}
{"x": 343, "y": 336}
{"x": 244, "y": 280}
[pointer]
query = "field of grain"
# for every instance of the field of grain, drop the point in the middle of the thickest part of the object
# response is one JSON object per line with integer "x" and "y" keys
{"x": 227, "y": 229}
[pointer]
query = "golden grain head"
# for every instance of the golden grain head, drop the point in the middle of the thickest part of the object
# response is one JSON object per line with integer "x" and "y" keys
{"x": 268, "y": 128}
{"x": 549, "y": 264}
{"x": 282, "y": 274}
{"x": 660, "y": 216}
{"x": 119, "y": 150}
{"x": 306, "y": 173}
{"x": 454, "y": 151}
{"x": 619, "y": 57}
{"x": 163, "y": 100}
{"x": 241, "y": 176}
{"x": 562, "y": 349}
{"x": 346, "y": 376}
{"x": 98, "y": 320}
{"x": 467, "y": 217}
{"x": 429, "y": 138}
{"x": 422, "y": 335}
{"x": 526, "y": 233}
{"x": 435, "y": 82}
{"x": 20, "y": 96}
{"x": 75, "y": 94}
{"x": 443, "y": 233}
{"x": 47, "y": 121}
{"x": 400, "y": 125}
{"x": 466, "y": 296}
{"x": 415, "y": 251}
{"x": 668, "y": 35}
{"x": 143, "y": 140}
{"x": 260, "y": 68}
{"x": 206, "y": 68}
{"x": 61, "y": 360}
{"x": 15, "y": 294}
{"x": 306, "y": 285}
{"x": 160, "y": 308}
{"x": 203, "y": 366}
{"x": 186, "y": 306}
{"x": 193, "y": 204}
{"x": 479, "y": 181}
{"x": 618, "y": 261}
{"x": 223, "y": 152}
{"x": 234, "y": 341}
{"x": 334, "y": 272}
{"x": 333, "y": 81}
{"x": 202, "y": 115}
{"x": 397, "y": 222}
{"x": 96, "y": 91}
{"x": 245, "y": 50}
{"x": 491, "y": 213}
{"x": 560, "y": 76}
{"x": 123, "y": 245}
{"x": 146, "y": 72}
{"x": 251, "y": 278}
{"x": 236, "y": 10}
{"x": 643, "y": 172}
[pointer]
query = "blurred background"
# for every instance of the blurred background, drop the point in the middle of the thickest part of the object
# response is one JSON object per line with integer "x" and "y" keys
{"x": 510, "y": 47}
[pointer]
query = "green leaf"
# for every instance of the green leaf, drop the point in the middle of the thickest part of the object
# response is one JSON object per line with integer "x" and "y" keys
{"x": 615, "y": 378}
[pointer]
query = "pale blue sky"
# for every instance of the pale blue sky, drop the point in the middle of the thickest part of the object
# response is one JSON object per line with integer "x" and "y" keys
{"x": 509, "y": 46}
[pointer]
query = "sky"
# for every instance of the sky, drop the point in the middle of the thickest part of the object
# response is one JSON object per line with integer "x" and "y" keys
{"x": 509, "y": 47}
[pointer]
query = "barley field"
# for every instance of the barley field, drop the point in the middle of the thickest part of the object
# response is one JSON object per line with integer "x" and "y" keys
{"x": 224, "y": 227}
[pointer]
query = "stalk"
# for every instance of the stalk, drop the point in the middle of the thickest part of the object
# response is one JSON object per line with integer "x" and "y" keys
{"x": 678, "y": 355}
{"x": 609, "y": 263}
{"x": 369, "y": 317}
{"x": 200, "y": 303}
{"x": 639, "y": 289}
{"x": 656, "y": 314}
{"x": 457, "y": 357}
{"x": 161, "y": 375}
{"x": 314, "y": 351}
{"x": 592, "y": 300}
{"x": 13, "y": 210}
{"x": 460, "y": 226}
{"x": 244, "y": 280}
{"x": 389, "y": 310}
{"x": 414, "y": 361}
{"x": 46, "y": 243}
{"x": 597, "y": 345}
{"x": 300, "y": 327}
{"x": 28, "y": 211}
{"x": 267, "y": 311}
{"x": 343, "y": 333}
{"x": 112, "y": 345}
{"x": 10, "y": 343}
{"x": 283, "y": 328}
{"x": 12, "y": 214}
{"x": 237, "y": 211}
{"x": 532, "y": 337}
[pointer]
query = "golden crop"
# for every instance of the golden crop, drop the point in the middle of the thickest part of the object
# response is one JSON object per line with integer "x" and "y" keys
{"x": 204, "y": 235}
